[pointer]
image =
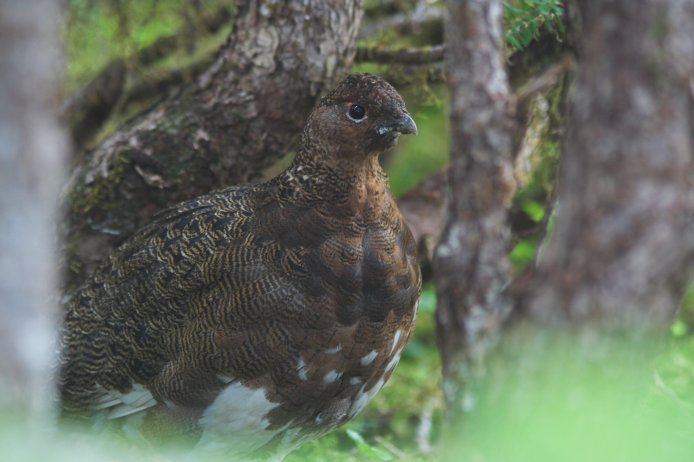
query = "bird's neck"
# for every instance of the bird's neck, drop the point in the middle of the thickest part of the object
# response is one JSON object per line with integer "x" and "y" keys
{"x": 336, "y": 178}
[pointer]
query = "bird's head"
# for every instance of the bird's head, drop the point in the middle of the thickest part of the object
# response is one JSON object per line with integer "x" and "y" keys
{"x": 363, "y": 116}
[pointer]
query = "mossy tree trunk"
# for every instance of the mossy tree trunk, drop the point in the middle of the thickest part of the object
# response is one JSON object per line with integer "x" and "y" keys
{"x": 470, "y": 266}
{"x": 239, "y": 117}
{"x": 622, "y": 250}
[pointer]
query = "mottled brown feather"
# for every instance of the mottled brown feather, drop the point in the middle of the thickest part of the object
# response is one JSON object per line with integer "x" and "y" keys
{"x": 316, "y": 265}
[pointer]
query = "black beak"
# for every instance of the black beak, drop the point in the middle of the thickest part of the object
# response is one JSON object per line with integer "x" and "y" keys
{"x": 406, "y": 125}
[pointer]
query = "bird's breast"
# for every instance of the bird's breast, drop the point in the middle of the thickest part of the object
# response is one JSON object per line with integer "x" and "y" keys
{"x": 365, "y": 286}
{"x": 359, "y": 283}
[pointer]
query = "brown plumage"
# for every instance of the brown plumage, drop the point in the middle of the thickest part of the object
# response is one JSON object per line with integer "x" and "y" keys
{"x": 258, "y": 316}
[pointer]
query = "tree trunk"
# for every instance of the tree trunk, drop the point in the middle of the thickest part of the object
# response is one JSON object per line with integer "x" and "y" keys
{"x": 32, "y": 149}
{"x": 470, "y": 264}
{"x": 622, "y": 250}
{"x": 238, "y": 118}
{"x": 619, "y": 256}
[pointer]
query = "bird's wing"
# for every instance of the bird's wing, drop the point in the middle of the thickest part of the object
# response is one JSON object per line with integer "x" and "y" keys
{"x": 186, "y": 305}
{"x": 118, "y": 405}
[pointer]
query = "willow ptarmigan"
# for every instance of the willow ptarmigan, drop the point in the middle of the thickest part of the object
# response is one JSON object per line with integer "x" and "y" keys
{"x": 260, "y": 316}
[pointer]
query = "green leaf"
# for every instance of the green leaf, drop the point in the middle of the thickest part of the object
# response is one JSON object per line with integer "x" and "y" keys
{"x": 365, "y": 448}
{"x": 523, "y": 253}
{"x": 525, "y": 19}
{"x": 534, "y": 209}
{"x": 679, "y": 328}
{"x": 512, "y": 40}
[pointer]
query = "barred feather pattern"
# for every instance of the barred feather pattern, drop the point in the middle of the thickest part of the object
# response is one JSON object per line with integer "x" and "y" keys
{"x": 303, "y": 288}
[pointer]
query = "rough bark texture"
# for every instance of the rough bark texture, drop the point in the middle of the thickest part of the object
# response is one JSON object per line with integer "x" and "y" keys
{"x": 86, "y": 110}
{"x": 32, "y": 149}
{"x": 470, "y": 261}
{"x": 239, "y": 117}
{"x": 622, "y": 250}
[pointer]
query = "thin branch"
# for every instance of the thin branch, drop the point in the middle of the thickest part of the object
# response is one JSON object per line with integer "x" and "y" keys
{"x": 85, "y": 110}
{"x": 423, "y": 17}
{"x": 543, "y": 82}
{"x": 407, "y": 56}
{"x": 163, "y": 46}
{"x": 403, "y": 76}
{"x": 144, "y": 88}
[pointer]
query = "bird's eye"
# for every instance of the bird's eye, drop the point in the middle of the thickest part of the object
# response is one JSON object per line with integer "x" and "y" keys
{"x": 356, "y": 112}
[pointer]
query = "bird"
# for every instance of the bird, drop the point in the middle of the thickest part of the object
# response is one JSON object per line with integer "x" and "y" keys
{"x": 254, "y": 318}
